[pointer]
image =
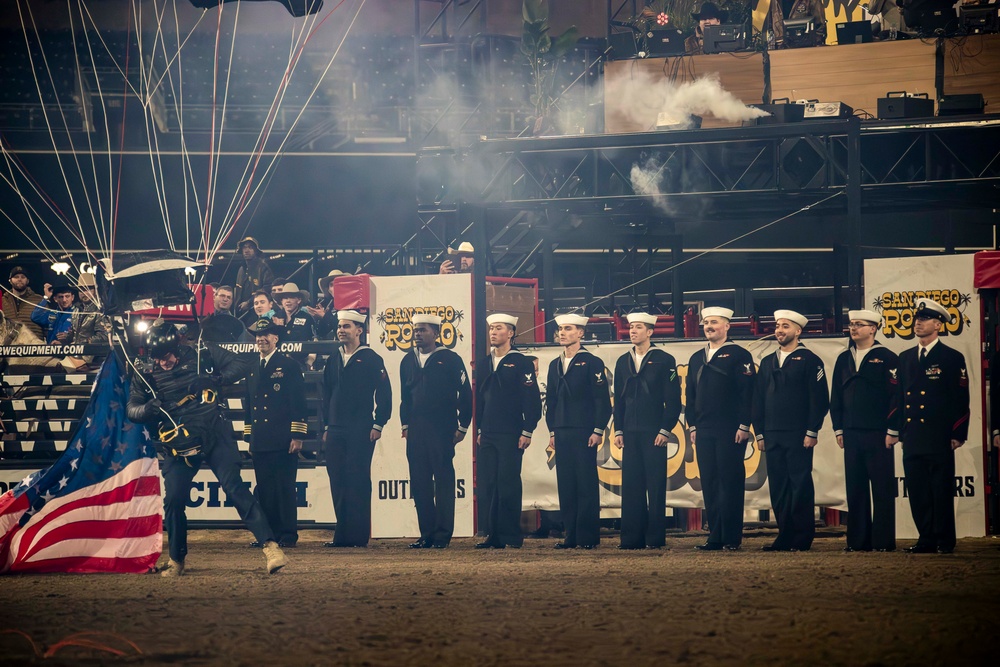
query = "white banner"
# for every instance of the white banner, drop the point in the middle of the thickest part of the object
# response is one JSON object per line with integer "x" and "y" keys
{"x": 892, "y": 286}
{"x": 683, "y": 479}
{"x": 208, "y": 502}
{"x": 393, "y": 300}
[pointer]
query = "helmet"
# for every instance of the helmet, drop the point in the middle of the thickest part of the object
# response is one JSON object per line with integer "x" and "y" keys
{"x": 162, "y": 339}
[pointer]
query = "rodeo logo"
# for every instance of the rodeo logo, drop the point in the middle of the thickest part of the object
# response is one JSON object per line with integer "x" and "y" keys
{"x": 397, "y": 329}
{"x": 897, "y": 310}
{"x": 682, "y": 462}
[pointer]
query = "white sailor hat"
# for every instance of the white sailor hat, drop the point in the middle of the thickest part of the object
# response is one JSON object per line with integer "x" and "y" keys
{"x": 351, "y": 315}
{"x": 501, "y": 318}
{"x": 931, "y": 308}
{"x": 643, "y": 318}
{"x": 866, "y": 315}
{"x": 571, "y": 318}
{"x": 791, "y": 316}
{"x": 425, "y": 318}
{"x": 716, "y": 311}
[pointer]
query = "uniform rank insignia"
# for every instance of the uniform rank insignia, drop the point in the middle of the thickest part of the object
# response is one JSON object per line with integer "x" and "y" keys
{"x": 462, "y": 378}
{"x": 892, "y": 374}
{"x": 527, "y": 380}
{"x": 963, "y": 378}
{"x": 819, "y": 375}
{"x": 746, "y": 368}
{"x": 600, "y": 377}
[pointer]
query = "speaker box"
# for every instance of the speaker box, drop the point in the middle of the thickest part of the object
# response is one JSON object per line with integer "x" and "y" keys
{"x": 901, "y": 105}
{"x": 623, "y": 45}
{"x": 801, "y": 165}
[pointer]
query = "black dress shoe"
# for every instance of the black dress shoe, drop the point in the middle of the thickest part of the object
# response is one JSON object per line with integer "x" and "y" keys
{"x": 946, "y": 550}
{"x": 440, "y": 545}
{"x": 920, "y": 549}
{"x": 588, "y": 547}
{"x": 421, "y": 544}
{"x": 564, "y": 545}
{"x": 256, "y": 545}
{"x": 332, "y": 545}
{"x": 885, "y": 550}
{"x": 627, "y": 547}
{"x": 489, "y": 545}
{"x": 731, "y": 547}
{"x": 288, "y": 545}
{"x": 709, "y": 546}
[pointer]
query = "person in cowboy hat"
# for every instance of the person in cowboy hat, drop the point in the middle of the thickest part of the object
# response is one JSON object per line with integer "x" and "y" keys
{"x": 710, "y": 14}
{"x": 299, "y": 324}
{"x": 935, "y": 385}
{"x": 87, "y": 325}
{"x": 864, "y": 409}
{"x": 325, "y": 312}
{"x": 275, "y": 426}
{"x": 255, "y": 274}
{"x": 791, "y": 400}
{"x": 54, "y": 314}
{"x": 464, "y": 252}
{"x": 19, "y": 301}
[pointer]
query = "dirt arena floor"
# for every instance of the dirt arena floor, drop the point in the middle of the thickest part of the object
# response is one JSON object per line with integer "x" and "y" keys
{"x": 388, "y": 605}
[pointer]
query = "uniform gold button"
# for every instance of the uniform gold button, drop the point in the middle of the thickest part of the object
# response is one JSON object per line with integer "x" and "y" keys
{"x": 908, "y": 419}
{"x": 908, "y": 393}
{"x": 922, "y": 393}
{"x": 921, "y": 407}
{"x": 907, "y": 407}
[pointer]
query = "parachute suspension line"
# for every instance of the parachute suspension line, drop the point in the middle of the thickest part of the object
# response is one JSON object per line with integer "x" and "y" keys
{"x": 98, "y": 220}
{"x": 222, "y": 123}
{"x": 207, "y": 223}
{"x": 107, "y": 49}
{"x": 100, "y": 97}
{"x": 153, "y": 143}
{"x": 312, "y": 94}
{"x": 248, "y": 195}
{"x": 121, "y": 144}
{"x": 260, "y": 144}
{"x": 48, "y": 124}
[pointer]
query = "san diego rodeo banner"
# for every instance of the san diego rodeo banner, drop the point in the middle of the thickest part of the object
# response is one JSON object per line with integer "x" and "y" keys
{"x": 892, "y": 287}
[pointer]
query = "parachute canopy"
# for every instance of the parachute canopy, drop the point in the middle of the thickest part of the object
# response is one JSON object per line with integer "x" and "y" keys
{"x": 294, "y": 7}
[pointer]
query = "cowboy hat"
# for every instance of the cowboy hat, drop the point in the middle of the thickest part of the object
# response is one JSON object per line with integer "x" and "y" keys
{"x": 464, "y": 248}
{"x": 324, "y": 282}
{"x": 710, "y": 10}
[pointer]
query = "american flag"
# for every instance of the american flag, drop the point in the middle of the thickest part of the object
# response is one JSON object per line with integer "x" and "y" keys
{"x": 98, "y": 508}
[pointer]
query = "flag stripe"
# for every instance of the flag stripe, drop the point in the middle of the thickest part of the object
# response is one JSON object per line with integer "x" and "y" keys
{"x": 88, "y": 565}
{"x": 134, "y": 523}
{"x": 122, "y": 547}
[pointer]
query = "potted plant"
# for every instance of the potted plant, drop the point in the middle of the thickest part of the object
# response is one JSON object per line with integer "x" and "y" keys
{"x": 543, "y": 52}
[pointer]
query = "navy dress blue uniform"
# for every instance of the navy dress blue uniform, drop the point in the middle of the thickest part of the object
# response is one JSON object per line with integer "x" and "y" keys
{"x": 577, "y": 405}
{"x": 435, "y": 403}
{"x": 647, "y": 404}
{"x": 790, "y": 402}
{"x": 935, "y": 411}
{"x": 718, "y": 403}
{"x": 357, "y": 399}
{"x": 864, "y": 409}
{"x": 508, "y": 406}
{"x": 206, "y": 420}
{"x": 275, "y": 407}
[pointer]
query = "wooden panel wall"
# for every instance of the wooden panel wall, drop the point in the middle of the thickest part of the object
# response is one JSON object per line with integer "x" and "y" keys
{"x": 856, "y": 74}
{"x": 972, "y": 65}
{"x": 741, "y": 74}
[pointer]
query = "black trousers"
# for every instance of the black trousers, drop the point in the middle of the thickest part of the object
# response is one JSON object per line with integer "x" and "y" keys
{"x": 870, "y": 472}
{"x": 349, "y": 464}
{"x": 789, "y": 476}
{"x": 578, "y": 486}
{"x": 223, "y": 458}
{"x": 723, "y": 483}
{"x": 430, "y": 454}
{"x": 276, "y": 472}
{"x": 930, "y": 486}
{"x": 644, "y": 490}
{"x": 498, "y": 482}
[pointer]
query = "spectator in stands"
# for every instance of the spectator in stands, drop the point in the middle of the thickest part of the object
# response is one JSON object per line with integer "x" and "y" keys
{"x": 221, "y": 326}
{"x": 325, "y": 312}
{"x": 299, "y": 324}
{"x": 464, "y": 253}
{"x": 255, "y": 274}
{"x": 263, "y": 307}
{"x": 797, "y": 10}
{"x": 87, "y": 325}
{"x": 276, "y": 286}
{"x": 19, "y": 301}
{"x": 710, "y": 14}
{"x": 54, "y": 313}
